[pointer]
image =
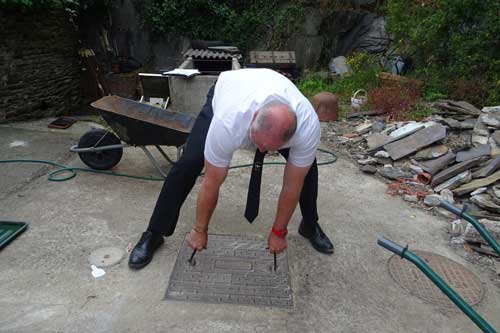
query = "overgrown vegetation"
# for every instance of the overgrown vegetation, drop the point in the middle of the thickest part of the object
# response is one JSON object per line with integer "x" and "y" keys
{"x": 454, "y": 46}
{"x": 241, "y": 23}
{"x": 397, "y": 101}
{"x": 54, "y": 3}
{"x": 365, "y": 67}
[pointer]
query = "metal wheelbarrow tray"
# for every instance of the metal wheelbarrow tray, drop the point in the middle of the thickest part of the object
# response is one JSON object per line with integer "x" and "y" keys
{"x": 136, "y": 124}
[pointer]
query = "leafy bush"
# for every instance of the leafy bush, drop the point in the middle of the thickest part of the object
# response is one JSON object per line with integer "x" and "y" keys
{"x": 365, "y": 70}
{"x": 242, "y": 23}
{"x": 449, "y": 41}
{"x": 393, "y": 101}
{"x": 34, "y": 3}
{"x": 50, "y": 4}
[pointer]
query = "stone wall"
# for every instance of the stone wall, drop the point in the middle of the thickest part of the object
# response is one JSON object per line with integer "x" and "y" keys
{"x": 39, "y": 65}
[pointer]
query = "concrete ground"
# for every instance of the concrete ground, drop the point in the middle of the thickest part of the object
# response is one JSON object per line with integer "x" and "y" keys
{"x": 47, "y": 284}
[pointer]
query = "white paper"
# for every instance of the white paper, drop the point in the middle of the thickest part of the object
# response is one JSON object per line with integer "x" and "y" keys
{"x": 97, "y": 272}
{"x": 182, "y": 72}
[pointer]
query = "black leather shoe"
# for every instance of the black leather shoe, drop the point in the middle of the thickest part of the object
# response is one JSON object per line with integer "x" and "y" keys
{"x": 317, "y": 237}
{"x": 142, "y": 254}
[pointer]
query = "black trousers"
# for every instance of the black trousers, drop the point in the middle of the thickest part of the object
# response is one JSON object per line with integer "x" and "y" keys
{"x": 182, "y": 177}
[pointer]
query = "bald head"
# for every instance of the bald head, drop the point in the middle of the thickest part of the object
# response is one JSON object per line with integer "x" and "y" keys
{"x": 274, "y": 123}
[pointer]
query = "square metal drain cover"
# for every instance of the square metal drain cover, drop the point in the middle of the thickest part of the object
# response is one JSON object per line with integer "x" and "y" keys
{"x": 233, "y": 269}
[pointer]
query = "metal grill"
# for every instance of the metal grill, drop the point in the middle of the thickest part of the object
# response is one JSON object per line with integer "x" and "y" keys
{"x": 207, "y": 54}
{"x": 233, "y": 269}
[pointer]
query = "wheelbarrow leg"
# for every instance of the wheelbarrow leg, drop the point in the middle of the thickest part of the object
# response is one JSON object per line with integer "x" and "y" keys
{"x": 164, "y": 154}
{"x": 153, "y": 160}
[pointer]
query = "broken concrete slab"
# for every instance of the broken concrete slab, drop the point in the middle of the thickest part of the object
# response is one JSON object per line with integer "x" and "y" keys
{"x": 492, "y": 120}
{"x": 479, "y": 139}
{"x": 416, "y": 169}
{"x": 493, "y": 194}
{"x": 377, "y": 140}
{"x": 407, "y": 129}
{"x": 457, "y": 108}
{"x": 454, "y": 170}
{"x": 394, "y": 173}
{"x": 432, "y": 200}
{"x": 491, "y": 109}
{"x": 495, "y": 147}
{"x": 475, "y": 184}
{"x": 479, "y": 191}
{"x": 416, "y": 141}
{"x": 472, "y": 235}
{"x": 384, "y": 161}
{"x": 454, "y": 182}
{"x": 456, "y": 228}
{"x": 492, "y": 166}
{"x": 478, "y": 151}
{"x": 468, "y": 124}
{"x": 480, "y": 134}
{"x": 452, "y": 123}
{"x": 496, "y": 136}
{"x": 368, "y": 169}
{"x": 431, "y": 152}
{"x": 367, "y": 161}
{"x": 410, "y": 198}
{"x": 447, "y": 195}
{"x": 382, "y": 153}
{"x": 485, "y": 201}
{"x": 363, "y": 128}
{"x": 378, "y": 126}
{"x": 438, "y": 164}
{"x": 466, "y": 106}
{"x": 496, "y": 191}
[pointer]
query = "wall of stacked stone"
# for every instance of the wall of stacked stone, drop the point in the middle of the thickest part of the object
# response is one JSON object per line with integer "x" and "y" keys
{"x": 39, "y": 65}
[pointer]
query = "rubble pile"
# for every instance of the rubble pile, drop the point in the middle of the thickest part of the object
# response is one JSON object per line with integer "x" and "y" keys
{"x": 453, "y": 155}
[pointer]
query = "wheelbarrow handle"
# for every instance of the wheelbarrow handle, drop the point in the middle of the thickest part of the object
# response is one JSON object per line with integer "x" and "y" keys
{"x": 391, "y": 246}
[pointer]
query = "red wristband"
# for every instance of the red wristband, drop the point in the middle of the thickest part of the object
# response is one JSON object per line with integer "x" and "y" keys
{"x": 280, "y": 233}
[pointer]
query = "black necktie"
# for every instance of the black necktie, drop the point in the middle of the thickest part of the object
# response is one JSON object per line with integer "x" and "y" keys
{"x": 252, "y": 209}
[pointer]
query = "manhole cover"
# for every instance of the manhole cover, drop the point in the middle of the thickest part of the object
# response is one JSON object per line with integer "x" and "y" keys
{"x": 463, "y": 281}
{"x": 237, "y": 270}
{"x": 105, "y": 256}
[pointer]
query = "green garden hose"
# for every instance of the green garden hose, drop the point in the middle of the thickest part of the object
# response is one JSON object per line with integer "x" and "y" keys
{"x": 72, "y": 170}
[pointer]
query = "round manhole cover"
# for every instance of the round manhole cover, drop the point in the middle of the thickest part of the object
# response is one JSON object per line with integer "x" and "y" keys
{"x": 106, "y": 256}
{"x": 410, "y": 278}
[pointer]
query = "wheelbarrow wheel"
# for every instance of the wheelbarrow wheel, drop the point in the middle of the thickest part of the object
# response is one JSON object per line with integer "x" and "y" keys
{"x": 103, "y": 159}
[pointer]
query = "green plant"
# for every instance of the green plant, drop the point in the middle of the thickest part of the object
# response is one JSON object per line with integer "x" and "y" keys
{"x": 417, "y": 112}
{"x": 287, "y": 21}
{"x": 241, "y": 23}
{"x": 365, "y": 76}
{"x": 449, "y": 39}
{"x": 53, "y": 3}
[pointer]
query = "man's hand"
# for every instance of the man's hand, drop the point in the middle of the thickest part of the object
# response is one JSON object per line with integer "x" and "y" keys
{"x": 197, "y": 239}
{"x": 276, "y": 244}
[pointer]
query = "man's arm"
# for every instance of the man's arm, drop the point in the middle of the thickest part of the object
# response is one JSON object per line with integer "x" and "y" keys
{"x": 293, "y": 179}
{"x": 207, "y": 201}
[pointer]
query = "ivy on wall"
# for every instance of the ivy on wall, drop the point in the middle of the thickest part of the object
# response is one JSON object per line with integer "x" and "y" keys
{"x": 241, "y": 23}
{"x": 55, "y": 4}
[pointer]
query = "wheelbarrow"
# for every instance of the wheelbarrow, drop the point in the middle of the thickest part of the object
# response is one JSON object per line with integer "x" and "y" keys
{"x": 405, "y": 253}
{"x": 134, "y": 124}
